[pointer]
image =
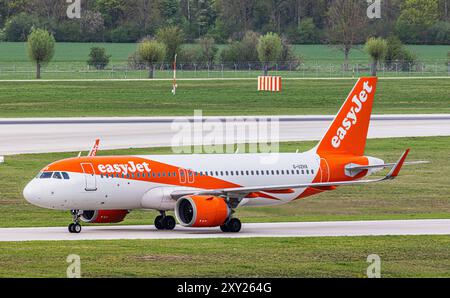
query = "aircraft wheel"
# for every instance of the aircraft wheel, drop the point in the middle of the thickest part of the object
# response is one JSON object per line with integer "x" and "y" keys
{"x": 233, "y": 226}
{"x": 224, "y": 228}
{"x": 159, "y": 222}
{"x": 76, "y": 228}
{"x": 169, "y": 222}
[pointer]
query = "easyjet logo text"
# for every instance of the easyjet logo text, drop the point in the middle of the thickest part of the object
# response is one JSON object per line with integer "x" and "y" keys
{"x": 352, "y": 115}
{"x": 129, "y": 167}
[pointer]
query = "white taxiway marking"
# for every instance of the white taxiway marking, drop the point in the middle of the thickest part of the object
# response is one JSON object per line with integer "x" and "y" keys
{"x": 284, "y": 229}
{"x": 76, "y": 134}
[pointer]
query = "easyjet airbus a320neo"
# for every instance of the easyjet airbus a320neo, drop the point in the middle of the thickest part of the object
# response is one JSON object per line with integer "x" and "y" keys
{"x": 205, "y": 189}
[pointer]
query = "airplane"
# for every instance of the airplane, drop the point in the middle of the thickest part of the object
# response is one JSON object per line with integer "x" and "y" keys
{"x": 204, "y": 190}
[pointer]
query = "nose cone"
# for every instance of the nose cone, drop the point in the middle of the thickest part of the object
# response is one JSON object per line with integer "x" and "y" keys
{"x": 30, "y": 193}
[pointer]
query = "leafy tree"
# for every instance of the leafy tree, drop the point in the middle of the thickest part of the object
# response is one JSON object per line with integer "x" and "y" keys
{"x": 307, "y": 31}
{"x": 416, "y": 17}
{"x": 397, "y": 56}
{"x": 269, "y": 49}
{"x": 376, "y": 48}
{"x": 205, "y": 16}
{"x": 287, "y": 55}
{"x": 9, "y": 9}
{"x": 243, "y": 51}
{"x": 209, "y": 49}
{"x": 111, "y": 10}
{"x": 18, "y": 27}
{"x": 302, "y": 21}
{"x": 173, "y": 38}
{"x": 192, "y": 54}
{"x": 68, "y": 31}
{"x": 439, "y": 33}
{"x": 98, "y": 58}
{"x": 170, "y": 10}
{"x": 151, "y": 52}
{"x": 41, "y": 48}
{"x": 125, "y": 33}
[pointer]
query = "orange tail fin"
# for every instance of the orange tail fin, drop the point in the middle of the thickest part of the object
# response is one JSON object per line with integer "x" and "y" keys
{"x": 348, "y": 131}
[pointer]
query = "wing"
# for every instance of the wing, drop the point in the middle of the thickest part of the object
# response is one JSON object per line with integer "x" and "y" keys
{"x": 241, "y": 192}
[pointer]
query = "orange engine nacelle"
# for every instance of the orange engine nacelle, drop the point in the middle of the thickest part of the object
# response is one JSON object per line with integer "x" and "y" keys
{"x": 202, "y": 211}
{"x": 103, "y": 216}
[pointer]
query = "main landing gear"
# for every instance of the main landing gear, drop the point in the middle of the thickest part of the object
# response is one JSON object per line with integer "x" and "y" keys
{"x": 75, "y": 227}
{"x": 233, "y": 225}
{"x": 165, "y": 222}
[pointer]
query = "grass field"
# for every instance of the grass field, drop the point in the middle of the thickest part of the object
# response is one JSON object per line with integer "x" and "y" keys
{"x": 317, "y": 61}
{"x": 16, "y": 52}
{"x": 420, "y": 192}
{"x": 401, "y": 256}
{"x": 146, "y": 98}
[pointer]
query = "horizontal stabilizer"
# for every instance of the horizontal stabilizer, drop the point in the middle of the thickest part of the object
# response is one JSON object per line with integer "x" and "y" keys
{"x": 383, "y": 166}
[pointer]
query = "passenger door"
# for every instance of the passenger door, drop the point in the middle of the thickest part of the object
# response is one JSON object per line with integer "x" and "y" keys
{"x": 89, "y": 176}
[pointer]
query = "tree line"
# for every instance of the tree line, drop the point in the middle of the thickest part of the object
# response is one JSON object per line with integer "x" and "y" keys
{"x": 297, "y": 21}
{"x": 269, "y": 50}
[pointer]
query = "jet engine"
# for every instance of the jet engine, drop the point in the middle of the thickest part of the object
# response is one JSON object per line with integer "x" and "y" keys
{"x": 103, "y": 216}
{"x": 202, "y": 211}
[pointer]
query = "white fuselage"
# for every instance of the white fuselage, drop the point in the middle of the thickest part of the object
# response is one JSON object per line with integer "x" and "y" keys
{"x": 115, "y": 191}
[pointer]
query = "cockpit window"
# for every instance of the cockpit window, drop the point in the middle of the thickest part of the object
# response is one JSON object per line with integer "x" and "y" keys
{"x": 46, "y": 175}
{"x": 65, "y": 175}
{"x": 57, "y": 175}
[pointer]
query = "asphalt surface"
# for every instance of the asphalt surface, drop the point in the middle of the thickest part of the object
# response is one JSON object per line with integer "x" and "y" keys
{"x": 38, "y": 135}
{"x": 286, "y": 229}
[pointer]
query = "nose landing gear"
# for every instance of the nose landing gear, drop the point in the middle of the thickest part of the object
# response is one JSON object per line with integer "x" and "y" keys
{"x": 165, "y": 222}
{"x": 75, "y": 227}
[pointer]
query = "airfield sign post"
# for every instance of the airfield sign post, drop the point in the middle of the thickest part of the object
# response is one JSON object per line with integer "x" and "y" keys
{"x": 174, "y": 84}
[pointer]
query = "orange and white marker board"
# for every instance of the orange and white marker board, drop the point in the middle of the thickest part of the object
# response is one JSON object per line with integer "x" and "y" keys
{"x": 269, "y": 83}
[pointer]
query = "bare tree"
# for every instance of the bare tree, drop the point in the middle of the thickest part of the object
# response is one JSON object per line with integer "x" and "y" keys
{"x": 49, "y": 8}
{"x": 278, "y": 9}
{"x": 238, "y": 14}
{"x": 346, "y": 24}
{"x": 145, "y": 12}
